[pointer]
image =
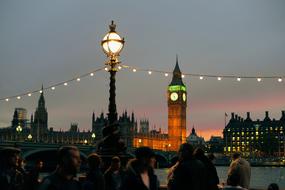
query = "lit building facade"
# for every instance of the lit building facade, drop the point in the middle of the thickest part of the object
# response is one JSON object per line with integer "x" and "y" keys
{"x": 177, "y": 103}
{"x": 261, "y": 138}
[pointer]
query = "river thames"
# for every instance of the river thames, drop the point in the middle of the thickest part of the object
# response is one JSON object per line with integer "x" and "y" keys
{"x": 261, "y": 177}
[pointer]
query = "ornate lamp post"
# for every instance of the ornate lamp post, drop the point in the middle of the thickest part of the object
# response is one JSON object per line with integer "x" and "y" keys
{"x": 30, "y": 137}
{"x": 93, "y": 136}
{"x": 112, "y": 45}
{"x": 111, "y": 144}
{"x": 19, "y": 130}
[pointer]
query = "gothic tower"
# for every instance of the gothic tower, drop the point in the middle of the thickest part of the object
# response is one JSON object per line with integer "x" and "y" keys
{"x": 177, "y": 103}
{"x": 40, "y": 123}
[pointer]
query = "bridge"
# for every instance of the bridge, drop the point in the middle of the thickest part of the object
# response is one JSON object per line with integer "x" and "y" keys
{"x": 46, "y": 152}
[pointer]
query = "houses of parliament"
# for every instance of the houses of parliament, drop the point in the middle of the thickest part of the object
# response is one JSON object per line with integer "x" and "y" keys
{"x": 133, "y": 133}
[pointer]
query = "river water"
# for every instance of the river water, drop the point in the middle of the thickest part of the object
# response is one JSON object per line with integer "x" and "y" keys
{"x": 261, "y": 177}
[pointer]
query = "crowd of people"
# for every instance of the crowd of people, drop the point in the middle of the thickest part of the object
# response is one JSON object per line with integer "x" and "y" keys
{"x": 193, "y": 170}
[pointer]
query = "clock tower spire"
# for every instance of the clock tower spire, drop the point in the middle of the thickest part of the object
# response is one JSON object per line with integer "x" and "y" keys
{"x": 177, "y": 103}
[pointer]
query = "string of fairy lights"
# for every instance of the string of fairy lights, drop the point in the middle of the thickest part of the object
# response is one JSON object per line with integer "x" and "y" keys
{"x": 238, "y": 78}
{"x": 52, "y": 87}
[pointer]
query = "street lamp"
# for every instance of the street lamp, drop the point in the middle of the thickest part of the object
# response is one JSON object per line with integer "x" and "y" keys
{"x": 112, "y": 45}
{"x": 30, "y": 137}
{"x": 19, "y": 129}
{"x": 140, "y": 142}
{"x": 168, "y": 153}
{"x": 93, "y": 136}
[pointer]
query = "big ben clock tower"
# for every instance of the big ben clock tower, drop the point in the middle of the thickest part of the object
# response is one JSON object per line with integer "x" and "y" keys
{"x": 177, "y": 103}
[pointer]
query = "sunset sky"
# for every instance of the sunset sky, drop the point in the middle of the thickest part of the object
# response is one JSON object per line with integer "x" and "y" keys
{"x": 45, "y": 42}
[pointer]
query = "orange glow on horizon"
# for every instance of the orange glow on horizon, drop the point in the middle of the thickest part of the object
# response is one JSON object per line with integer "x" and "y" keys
{"x": 207, "y": 133}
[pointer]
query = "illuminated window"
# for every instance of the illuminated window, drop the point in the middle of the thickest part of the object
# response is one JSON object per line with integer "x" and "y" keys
{"x": 229, "y": 130}
{"x": 252, "y": 138}
{"x": 238, "y": 148}
{"x": 256, "y": 132}
{"x": 242, "y": 133}
{"x": 229, "y": 149}
{"x": 271, "y": 128}
{"x": 238, "y": 138}
{"x": 233, "y": 138}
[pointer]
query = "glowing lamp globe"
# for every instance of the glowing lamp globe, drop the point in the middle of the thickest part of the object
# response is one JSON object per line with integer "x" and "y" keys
{"x": 112, "y": 43}
{"x": 30, "y": 137}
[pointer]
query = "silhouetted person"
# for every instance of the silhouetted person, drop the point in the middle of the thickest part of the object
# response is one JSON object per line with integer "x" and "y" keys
{"x": 212, "y": 179}
{"x": 233, "y": 183}
{"x": 32, "y": 178}
{"x": 10, "y": 177}
{"x": 211, "y": 157}
{"x": 140, "y": 173}
{"x": 21, "y": 166}
{"x": 114, "y": 175}
{"x": 241, "y": 168}
{"x": 94, "y": 177}
{"x": 189, "y": 173}
{"x": 63, "y": 178}
{"x": 273, "y": 186}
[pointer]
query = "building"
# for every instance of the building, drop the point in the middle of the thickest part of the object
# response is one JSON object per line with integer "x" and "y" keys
{"x": 215, "y": 144}
{"x": 177, "y": 103}
{"x": 261, "y": 137}
{"x": 195, "y": 140}
{"x": 131, "y": 134}
{"x": 36, "y": 130}
{"x": 127, "y": 126}
{"x": 39, "y": 124}
{"x": 19, "y": 118}
{"x": 152, "y": 138}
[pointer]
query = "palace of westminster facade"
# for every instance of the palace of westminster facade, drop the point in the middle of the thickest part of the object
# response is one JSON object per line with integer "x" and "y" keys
{"x": 260, "y": 137}
{"x": 36, "y": 129}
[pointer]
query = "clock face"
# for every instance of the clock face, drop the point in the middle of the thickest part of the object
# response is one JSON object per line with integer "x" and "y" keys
{"x": 174, "y": 96}
{"x": 184, "y": 97}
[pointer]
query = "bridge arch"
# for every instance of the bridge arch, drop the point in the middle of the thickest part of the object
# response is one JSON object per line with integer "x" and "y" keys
{"x": 34, "y": 151}
{"x": 161, "y": 160}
